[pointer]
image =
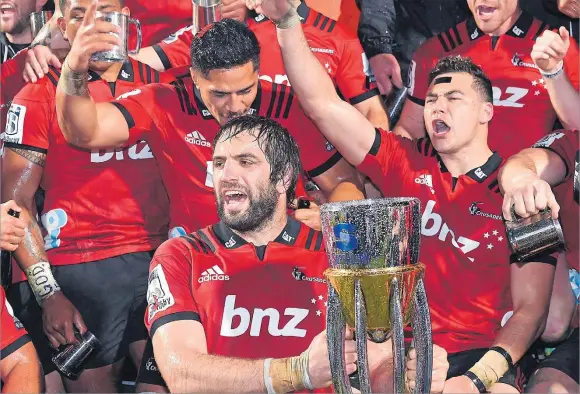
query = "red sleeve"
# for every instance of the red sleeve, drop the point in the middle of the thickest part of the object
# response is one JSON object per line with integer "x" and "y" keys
{"x": 145, "y": 109}
{"x": 13, "y": 333}
{"x": 571, "y": 66}
{"x": 388, "y": 157}
{"x": 174, "y": 51}
{"x": 423, "y": 61}
{"x": 31, "y": 116}
{"x": 352, "y": 76}
{"x": 565, "y": 144}
{"x": 317, "y": 155}
{"x": 170, "y": 291}
{"x": 11, "y": 82}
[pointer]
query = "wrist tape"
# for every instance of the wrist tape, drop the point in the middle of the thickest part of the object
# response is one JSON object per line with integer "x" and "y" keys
{"x": 284, "y": 375}
{"x": 41, "y": 281}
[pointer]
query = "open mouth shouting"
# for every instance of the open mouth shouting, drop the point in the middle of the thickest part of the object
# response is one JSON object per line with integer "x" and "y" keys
{"x": 485, "y": 13}
{"x": 234, "y": 198}
{"x": 440, "y": 128}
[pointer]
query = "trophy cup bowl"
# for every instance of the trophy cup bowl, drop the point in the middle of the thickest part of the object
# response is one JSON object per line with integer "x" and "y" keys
{"x": 375, "y": 285}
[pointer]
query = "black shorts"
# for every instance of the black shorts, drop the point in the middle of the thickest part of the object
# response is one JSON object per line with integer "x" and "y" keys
{"x": 110, "y": 295}
{"x": 149, "y": 371}
{"x": 461, "y": 362}
{"x": 565, "y": 357}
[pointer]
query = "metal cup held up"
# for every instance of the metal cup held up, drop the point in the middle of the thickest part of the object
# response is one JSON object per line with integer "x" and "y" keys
{"x": 205, "y": 12}
{"x": 533, "y": 235}
{"x": 121, "y": 52}
{"x": 38, "y": 20}
{"x": 70, "y": 360}
{"x": 375, "y": 286}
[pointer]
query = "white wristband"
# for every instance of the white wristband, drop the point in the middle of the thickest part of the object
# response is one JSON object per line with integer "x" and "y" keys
{"x": 554, "y": 74}
{"x": 41, "y": 281}
{"x": 267, "y": 378}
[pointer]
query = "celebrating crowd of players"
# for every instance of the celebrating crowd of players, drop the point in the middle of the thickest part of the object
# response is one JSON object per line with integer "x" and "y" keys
{"x": 171, "y": 225}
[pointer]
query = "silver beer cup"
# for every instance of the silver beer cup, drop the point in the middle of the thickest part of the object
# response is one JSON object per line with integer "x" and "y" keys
{"x": 205, "y": 12}
{"x": 375, "y": 286}
{"x": 38, "y": 20}
{"x": 121, "y": 52}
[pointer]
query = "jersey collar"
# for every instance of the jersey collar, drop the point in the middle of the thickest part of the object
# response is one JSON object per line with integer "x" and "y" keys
{"x": 126, "y": 73}
{"x": 481, "y": 173}
{"x": 254, "y": 108}
{"x": 231, "y": 240}
{"x": 519, "y": 29}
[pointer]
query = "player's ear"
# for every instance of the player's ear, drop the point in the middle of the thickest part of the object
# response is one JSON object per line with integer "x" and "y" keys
{"x": 486, "y": 113}
{"x": 194, "y": 76}
{"x": 284, "y": 184}
{"x": 61, "y": 22}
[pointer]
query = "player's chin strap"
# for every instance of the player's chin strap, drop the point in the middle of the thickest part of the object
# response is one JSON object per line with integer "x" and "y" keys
{"x": 41, "y": 281}
{"x": 284, "y": 375}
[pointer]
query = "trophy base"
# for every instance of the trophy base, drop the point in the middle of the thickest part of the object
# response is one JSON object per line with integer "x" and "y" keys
{"x": 377, "y": 289}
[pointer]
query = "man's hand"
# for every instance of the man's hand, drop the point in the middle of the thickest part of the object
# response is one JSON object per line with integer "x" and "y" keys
{"x": 59, "y": 316}
{"x": 387, "y": 72}
{"x": 38, "y": 59}
{"x": 460, "y": 384}
{"x": 11, "y": 228}
{"x": 94, "y": 35}
{"x": 550, "y": 49}
{"x": 318, "y": 363}
{"x": 570, "y": 8}
{"x": 440, "y": 368}
{"x": 529, "y": 196}
{"x": 272, "y": 9}
{"x": 309, "y": 216}
{"x": 234, "y": 9}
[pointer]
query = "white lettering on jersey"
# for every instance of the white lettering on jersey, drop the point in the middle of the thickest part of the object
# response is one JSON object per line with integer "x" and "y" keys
{"x": 174, "y": 36}
{"x": 14, "y": 130}
{"x": 129, "y": 94}
{"x": 101, "y": 156}
{"x": 548, "y": 140}
{"x": 466, "y": 245}
{"x": 254, "y": 321}
{"x": 515, "y": 94}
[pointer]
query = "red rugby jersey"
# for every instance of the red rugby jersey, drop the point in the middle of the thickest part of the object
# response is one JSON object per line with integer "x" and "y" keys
{"x": 13, "y": 333}
{"x": 337, "y": 49}
{"x": 180, "y": 130}
{"x": 11, "y": 82}
{"x": 463, "y": 241}
{"x": 565, "y": 144}
{"x": 523, "y": 112}
{"x": 98, "y": 204}
{"x": 253, "y": 302}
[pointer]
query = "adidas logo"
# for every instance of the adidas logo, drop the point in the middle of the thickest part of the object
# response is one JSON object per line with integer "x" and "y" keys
{"x": 426, "y": 180}
{"x": 213, "y": 273}
{"x": 196, "y": 138}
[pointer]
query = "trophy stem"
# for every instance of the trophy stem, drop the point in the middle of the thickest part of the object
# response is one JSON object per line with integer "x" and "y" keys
{"x": 360, "y": 315}
{"x": 422, "y": 339}
{"x": 335, "y": 327}
{"x": 398, "y": 340}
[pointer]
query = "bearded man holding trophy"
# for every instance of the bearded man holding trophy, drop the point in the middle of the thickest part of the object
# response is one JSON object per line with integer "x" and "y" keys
{"x": 486, "y": 308}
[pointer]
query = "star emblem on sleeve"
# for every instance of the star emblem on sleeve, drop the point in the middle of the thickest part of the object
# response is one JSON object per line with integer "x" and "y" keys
{"x": 318, "y": 313}
{"x": 490, "y": 246}
{"x": 486, "y": 235}
{"x": 313, "y": 300}
{"x": 495, "y": 232}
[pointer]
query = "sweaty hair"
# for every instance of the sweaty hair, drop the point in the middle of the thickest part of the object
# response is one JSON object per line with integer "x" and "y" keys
{"x": 280, "y": 149}
{"x": 458, "y": 64}
{"x": 224, "y": 45}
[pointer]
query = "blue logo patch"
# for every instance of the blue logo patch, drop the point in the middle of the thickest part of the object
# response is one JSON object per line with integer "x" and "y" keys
{"x": 345, "y": 236}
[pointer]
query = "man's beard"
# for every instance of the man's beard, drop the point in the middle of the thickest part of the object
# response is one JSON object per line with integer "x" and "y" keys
{"x": 260, "y": 210}
{"x": 20, "y": 26}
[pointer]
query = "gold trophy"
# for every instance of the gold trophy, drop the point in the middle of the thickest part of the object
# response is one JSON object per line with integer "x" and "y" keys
{"x": 375, "y": 286}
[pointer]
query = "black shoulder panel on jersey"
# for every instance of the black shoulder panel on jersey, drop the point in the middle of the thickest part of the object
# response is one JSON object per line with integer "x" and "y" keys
{"x": 442, "y": 42}
{"x": 199, "y": 245}
{"x": 324, "y": 23}
{"x": 317, "y": 20}
{"x": 206, "y": 240}
{"x": 277, "y": 101}
{"x": 425, "y": 148}
{"x": 331, "y": 27}
{"x": 543, "y": 27}
{"x": 318, "y": 243}
{"x": 309, "y": 238}
{"x": 494, "y": 186}
{"x": 141, "y": 68}
{"x": 53, "y": 75}
{"x": 183, "y": 96}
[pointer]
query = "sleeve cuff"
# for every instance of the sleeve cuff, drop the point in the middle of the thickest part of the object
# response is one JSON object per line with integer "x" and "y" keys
{"x": 126, "y": 114}
{"x": 171, "y": 318}
{"x": 321, "y": 169}
{"x": 560, "y": 156}
{"x": 364, "y": 96}
{"x": 416, "y": 100}
{"x": 162, "y": 56}
{"x": 14, "y": 346}
{"x": 25, "y": 147}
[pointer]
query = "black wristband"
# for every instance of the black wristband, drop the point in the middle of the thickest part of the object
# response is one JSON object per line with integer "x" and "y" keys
{"x": 476, "y": 381}
{"x": 505, "y": 355}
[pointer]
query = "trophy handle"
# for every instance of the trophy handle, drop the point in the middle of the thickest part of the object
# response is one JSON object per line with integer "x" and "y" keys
{"x": 360, "y": 316}
{"x": 335, "y": 326}
{"x": 398, "y": 339}
{"x": 422, "y": 339}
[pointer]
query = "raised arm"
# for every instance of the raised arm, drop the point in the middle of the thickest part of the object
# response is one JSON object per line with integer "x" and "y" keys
{"x": 84, "y": 123}
{"x": 346, "y": 128}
